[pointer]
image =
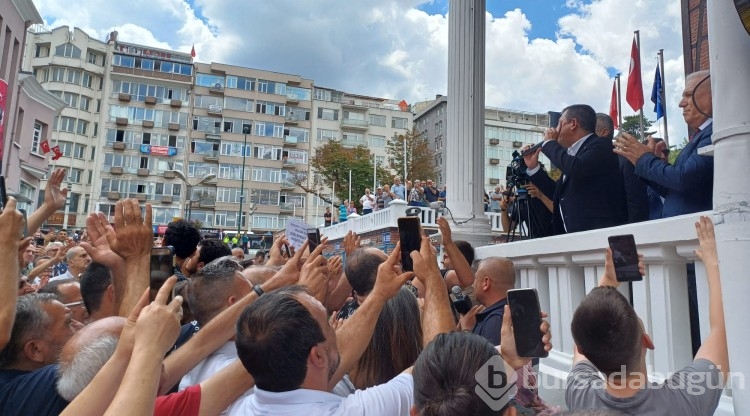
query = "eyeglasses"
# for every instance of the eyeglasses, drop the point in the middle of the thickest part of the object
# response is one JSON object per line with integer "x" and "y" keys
{"x": 73, "y": 304}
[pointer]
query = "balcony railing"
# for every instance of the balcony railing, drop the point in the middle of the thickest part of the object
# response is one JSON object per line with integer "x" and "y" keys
{"x": 565, "y": 268}
{"x": 355, "y": 124}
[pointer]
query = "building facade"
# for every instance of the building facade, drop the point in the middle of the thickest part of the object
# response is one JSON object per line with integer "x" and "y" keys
{"x": 505, "y": 131}
{"x": 26, "y": 110}
{"x": 250, "y": 128}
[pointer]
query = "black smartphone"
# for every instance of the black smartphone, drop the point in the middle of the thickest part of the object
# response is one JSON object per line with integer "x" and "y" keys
{"x": 554, "y": 118}
{"x": 313, "y": 236}
{"x": 625, "y": 257}
{"x": 410, "y": 236}
{"x": 526, "y": 315}
{"x": 162, "y": 266}
{"x": 287, "y": 251}
{"x": 3, "y": 191}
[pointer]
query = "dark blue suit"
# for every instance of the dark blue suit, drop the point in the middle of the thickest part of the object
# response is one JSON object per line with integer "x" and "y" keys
{"x": 592, "y": 195}
{"x": 687, "y": 186}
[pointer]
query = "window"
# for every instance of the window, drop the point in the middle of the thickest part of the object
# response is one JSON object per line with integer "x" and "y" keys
{"x": 144, "y": 162}
{"x": 399, "y": 123}
{"x": 74, "y": 77}
{"x": 75, "y": 175}
{"x": 267, "y": 175}
{"x": 146, "y": 139}
{"x": 262, "y": 85}
{"x": 36, "y": 138}
{"x": 74, "y": 200}
{"x": 328, "y": 114}
{"x": 79, "y": 151}
{"x": 264, "y": 197}
{"x": 377, "y": 120}
{"x": 239, "y": 104}
{"x": 354, "y": 138}
{"x": 58, "y": 74}
{"x": 84, "y": 103}
{"x": 66, "y": 124}
{"x": 83, "y": 126}
{"x": 86, "y": 80}
{"x": 42, "y": 51}
{"x": 298, "y": 93}
{"x": 269, "y": 222}
{"x": 267, "y": 152}
{"x": 302, "y": 135}
{"x": 380, "y": 160}
{"x": 91, "y": 58}
{"x": 376, "y": 141}
{"x": 324, "y": 134}
{"x": 68, "y": 50}
{"x": 208, "y": 80}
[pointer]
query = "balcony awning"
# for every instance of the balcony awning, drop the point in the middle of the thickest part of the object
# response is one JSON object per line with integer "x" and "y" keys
{"x": 33, "y": 171}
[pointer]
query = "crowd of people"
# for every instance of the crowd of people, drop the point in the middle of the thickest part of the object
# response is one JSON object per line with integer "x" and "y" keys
{"x": 301, "y": 333}
{"x": 86, "y": 328}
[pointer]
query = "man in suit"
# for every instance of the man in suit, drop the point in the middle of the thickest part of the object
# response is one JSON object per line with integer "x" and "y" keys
{"x": 636, "y": 196}
{"x": 589, "y": 195}
{"x": 687, "y": 185}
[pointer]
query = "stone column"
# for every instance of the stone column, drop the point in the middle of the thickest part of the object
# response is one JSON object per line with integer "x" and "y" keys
{"x": 465, "y": 125}
{"x": 730, "y": 64}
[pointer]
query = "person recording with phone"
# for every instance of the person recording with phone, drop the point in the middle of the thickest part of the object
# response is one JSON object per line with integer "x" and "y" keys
{"x": 589, "y": 193}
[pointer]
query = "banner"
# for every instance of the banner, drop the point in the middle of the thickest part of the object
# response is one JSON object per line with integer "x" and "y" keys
{"x": 158, "y": 150}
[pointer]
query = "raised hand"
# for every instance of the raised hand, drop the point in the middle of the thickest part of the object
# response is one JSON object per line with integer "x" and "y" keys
{"x": 388, "y": 280}
{"x": 445, "y": 230}
{"x": 469, "y": 321}
{"x": 351, "y": 242}
{"x": 158, "y": 324}
{"x": 55, "y": 196}
{"x": 609, "y": 277}
{"x": 276, "y": 254}
{"x": 134, "y": 236}
{"x": 704, "y": 228}
{"x": 426, "y": 262}
{"x": 314, "y": 273}
{"x": 99, "y": 248}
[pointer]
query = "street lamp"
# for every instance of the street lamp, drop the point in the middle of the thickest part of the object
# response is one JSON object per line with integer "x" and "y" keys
{"x": 181, "y": 176}
{"x": 245, "y": 130}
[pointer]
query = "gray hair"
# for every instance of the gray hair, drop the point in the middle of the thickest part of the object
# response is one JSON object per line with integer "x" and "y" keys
{"x": 52, "y": 245}
{"x": 77, "y": 372}
{"x": 72, "y": 252}
{"x": 30, "y": 323}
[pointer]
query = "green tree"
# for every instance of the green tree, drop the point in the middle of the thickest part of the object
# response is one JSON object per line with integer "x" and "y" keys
{"x": 332, "y": 163}
{"x": 420, "y": 157}
{"x": 632, "y": 125}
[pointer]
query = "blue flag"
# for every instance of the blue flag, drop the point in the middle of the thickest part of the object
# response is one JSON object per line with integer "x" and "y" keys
{"x": 657, "y": 94}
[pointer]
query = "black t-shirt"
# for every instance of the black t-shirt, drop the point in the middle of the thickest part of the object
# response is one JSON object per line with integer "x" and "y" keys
{"x": 30, "y": 393}
{"x": 327, "y": 218}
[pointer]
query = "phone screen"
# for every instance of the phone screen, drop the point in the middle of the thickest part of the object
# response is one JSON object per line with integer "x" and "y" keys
{"x": 410, "y": 236}
{"x": 526, "y": 315}
{"x": 162, "y": 265}
{"x": 3, "y": 192}
{"x": 625, "y": 257}
{"x": 554, "y": 118}
{"x": 25, "y": 230}
{"x": 313, "y": 236}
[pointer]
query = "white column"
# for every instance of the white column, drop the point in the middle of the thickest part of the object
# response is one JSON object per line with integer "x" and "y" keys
{"x": 730, "y": 64}
{"x": 465, "y": 129}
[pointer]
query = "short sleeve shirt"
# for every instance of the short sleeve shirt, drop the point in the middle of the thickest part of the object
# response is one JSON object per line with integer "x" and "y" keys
{"x": 184, "y": 403}
{"x": 694, "y": 390}
{"x": 392, "y": 398}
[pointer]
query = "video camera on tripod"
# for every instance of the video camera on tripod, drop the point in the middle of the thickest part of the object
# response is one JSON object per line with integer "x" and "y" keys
{"x": 515, "y": 174}
{"x": 519, "y": 209}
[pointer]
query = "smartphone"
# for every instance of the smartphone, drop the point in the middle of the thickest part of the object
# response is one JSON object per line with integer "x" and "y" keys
{"x": 162, "y": 266}
{"x": 554, "y": 118}
{"x": 3, "y": 191}
{"x": 410, "y": 236}
{"x": 287, "y": 251}
{"x": 625, "y": 257}
{"x": 526, "y": 315}
{"x": 313, "y": 236}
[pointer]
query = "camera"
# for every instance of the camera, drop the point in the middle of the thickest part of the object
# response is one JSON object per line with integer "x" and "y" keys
{"x": 515, "y": 173}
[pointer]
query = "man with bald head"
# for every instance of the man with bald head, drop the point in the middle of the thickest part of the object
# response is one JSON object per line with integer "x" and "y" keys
{"x": 494, "y": 277}
{"x": 78, "y": 260}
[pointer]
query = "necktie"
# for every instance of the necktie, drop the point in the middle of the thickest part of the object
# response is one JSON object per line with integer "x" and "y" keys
{"x": 697, "y": 132}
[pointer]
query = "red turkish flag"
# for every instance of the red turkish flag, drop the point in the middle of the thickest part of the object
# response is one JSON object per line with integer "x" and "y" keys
{"x": 45, "y": 146}
{"x": 57, "y": 152}
{"x": 192, "y": 51}
{"x": 634, "y": 94}
{"x": 613, "y": 105}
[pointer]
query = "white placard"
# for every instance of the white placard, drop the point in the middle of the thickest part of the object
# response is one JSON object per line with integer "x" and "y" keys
{"x": 296, "y": 232}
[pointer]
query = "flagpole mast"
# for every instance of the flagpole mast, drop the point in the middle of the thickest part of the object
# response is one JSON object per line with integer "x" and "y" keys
{"x": 619, "y": 102}
{"x": 663, "y": 93}
{"x": 638, "y": 43}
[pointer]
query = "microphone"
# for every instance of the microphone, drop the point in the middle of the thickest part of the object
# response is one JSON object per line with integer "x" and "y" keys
{"x": 461, "y": 303}
{"x": 532, "y": 149}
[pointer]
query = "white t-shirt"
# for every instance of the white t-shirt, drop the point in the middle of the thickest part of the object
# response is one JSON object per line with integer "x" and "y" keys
{"x": 392, "y": 398}
{"x": 366, "y": 201}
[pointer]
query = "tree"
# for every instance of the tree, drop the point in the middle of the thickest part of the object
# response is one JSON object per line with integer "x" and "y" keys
{"x": 420, "y": 157}
{"x": 332, "y": 162}
{"x": 632, "y": 125}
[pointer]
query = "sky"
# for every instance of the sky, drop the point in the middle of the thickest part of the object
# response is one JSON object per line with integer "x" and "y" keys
{"x": 541, "y": 55}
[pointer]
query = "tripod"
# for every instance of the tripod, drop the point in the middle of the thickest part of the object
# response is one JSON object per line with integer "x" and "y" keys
{"x": 524, "y": 221}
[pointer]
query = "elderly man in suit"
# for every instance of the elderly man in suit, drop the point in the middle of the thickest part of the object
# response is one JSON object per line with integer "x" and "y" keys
{"x": 589, "y": 195}
{"x": 687, "y": 185}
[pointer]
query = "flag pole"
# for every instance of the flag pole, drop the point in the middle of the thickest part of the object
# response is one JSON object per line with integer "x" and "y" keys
{"x": 638, "y": 44}
{"x": 619, "y": 102}
{"x": 663, "y": 96}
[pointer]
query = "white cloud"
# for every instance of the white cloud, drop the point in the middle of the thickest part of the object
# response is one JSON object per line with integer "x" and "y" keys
{"x": 389, "y": 48}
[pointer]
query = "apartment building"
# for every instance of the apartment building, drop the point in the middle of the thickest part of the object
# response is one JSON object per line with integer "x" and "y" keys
{"x": 505, "y": 131}
{"x": 355, "y": 120}
{"x": 251, "y": 129}
{"x": 71, "y": 65}
{"x": 145, "y": 129}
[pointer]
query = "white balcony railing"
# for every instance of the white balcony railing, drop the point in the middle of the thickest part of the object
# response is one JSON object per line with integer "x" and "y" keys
{"x": 385, "y": 218}
{"x": 565, "y": 268}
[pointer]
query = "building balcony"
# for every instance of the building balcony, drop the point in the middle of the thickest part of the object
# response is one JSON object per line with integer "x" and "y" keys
{"x": 168, "y": 174}
{"x": 494, "y": 161}
{"x": 121, "y": 121}
{"x": 494, "y": 141}
{"x": 494, "y": 181}
{"x": 150, "y": 100}
{"x": 143, "y": 172}
{"x": 517, "y": 144}
{"x": 354, "y": 124}
{"x": 122, "y": 97}
{"x": 115, "y": 170}
{"x": 113, "y": 196}
{"x": 290, "y": 141}
{"x": 173, "y": 127}
{"x": 207, "y": 203}
{"x": 292, "y": 99}
{"x": 214, "y": 110}
{"x": 211, "y": 156}
{"x": 286, "y": 208}
{"x": 152, "y": 74}
{"x": 118, "y": 145}
{"x": 147, "y": 124}
{"x": 217, "y": 89}
{"x": 141, "y": 197}
{"x": 166, "y": 199}
{"x": 352, "y": 104}
{"x": 287, "y": 185}
{"x": 175, "y": 103}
